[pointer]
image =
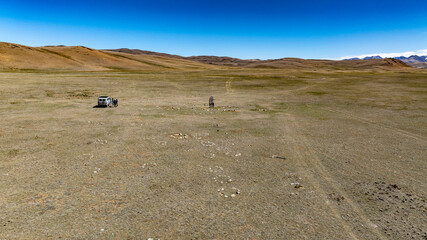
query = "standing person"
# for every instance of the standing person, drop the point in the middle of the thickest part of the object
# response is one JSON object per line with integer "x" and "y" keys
{"x": 116, "y": 102}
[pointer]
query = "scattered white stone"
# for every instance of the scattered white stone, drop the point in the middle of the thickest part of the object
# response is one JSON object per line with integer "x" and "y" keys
{"x": 223, "y": 179}
{"x": 179, "y": 135}
{"x": 236, "y": 189}
{"x": 96, "y": 170}
{"x": 149, "y": 165}
{"x": 216, "y": 169}
{"x": 227, "y": 192}
{"x": 100, "y": 141}
{"x": 201, "y": 135}
{"x": 102, "y": 229}
{"x": 209, "y": 155}
{"x": 238, "y": 155}
{"x": 207, "y": 143}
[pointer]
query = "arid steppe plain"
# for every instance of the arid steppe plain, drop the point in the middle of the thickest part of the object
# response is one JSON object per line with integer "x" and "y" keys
{"x": 285, "y": 154}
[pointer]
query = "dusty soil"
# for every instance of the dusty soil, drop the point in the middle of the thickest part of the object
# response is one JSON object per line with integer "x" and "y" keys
{"x": 284, "y": 155}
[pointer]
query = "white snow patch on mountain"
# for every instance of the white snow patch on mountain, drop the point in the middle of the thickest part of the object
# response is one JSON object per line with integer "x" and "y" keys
{"x": 421, "y": 52}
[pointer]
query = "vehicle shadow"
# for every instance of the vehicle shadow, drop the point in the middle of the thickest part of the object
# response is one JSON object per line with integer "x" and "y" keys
{"x": 97, "y": 106}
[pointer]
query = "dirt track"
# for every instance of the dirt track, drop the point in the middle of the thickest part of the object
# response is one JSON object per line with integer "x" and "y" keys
{"x": 284, "y": 155}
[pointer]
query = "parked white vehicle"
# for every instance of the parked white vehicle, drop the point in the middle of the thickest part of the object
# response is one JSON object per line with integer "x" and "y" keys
{"x": 104, "y": 101}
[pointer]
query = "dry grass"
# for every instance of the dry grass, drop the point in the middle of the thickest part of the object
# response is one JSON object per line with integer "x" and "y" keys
{"x": 71, "y": 171}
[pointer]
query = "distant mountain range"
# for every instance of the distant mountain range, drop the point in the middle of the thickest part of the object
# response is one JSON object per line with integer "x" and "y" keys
{"x": 79, "y": 58}
{"x": 414, "y": 60}
{"x": 283, "y": 63}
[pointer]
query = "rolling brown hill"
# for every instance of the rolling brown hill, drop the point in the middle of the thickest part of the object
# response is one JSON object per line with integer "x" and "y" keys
{"x": 296, "y": 63}
{"x": 285, "y": 63}
{"x": 214, "y": 60}
{"x": 78, "y": 58}
{"x": 15, "y": 56}
{"x": 422, "y": 65}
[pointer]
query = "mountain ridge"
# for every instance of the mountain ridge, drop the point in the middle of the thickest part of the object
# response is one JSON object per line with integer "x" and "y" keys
{"x": 80, "y": 58}
{"x": 418, "y": 61}
{"x": 288, "y": 63}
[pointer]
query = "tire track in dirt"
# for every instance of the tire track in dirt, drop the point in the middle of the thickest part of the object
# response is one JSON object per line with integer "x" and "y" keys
{"x": 312, "y": 85}
{"x": 309, "y": 162}
{"x": 380, "y": 125}
{"x": 176, "y": 85}
{"x": 322, "y": 194}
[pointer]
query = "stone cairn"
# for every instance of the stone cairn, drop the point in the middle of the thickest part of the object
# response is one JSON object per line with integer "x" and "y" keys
{"x": 211, "y": 102}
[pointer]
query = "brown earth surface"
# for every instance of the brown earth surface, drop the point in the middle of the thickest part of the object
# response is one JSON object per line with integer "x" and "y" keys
{"x": 285, "y": 154}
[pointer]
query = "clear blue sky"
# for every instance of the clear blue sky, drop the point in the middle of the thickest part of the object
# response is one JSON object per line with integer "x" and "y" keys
{"x": 245, "y": 29}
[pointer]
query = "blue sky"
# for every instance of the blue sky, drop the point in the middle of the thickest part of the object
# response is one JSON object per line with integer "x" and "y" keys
{"x": 246, "y": 29}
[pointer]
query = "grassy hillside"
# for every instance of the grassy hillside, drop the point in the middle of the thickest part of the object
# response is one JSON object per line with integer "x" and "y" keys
{"x": 296, "y": 63}
{"x": 14, "y": 56}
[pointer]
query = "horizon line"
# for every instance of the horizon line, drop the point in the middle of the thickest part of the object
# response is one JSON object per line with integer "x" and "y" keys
{"x": 420, "y": 52}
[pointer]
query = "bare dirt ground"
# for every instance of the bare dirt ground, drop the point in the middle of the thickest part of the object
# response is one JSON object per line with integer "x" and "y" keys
{"x": 284, "y": 155}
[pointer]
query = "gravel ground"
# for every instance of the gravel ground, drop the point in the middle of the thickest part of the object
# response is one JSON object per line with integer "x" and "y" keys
{"x": 283, "y": 155}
